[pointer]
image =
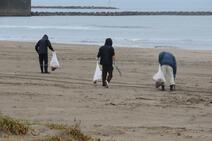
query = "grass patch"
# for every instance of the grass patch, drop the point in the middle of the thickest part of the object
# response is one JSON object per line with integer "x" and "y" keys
{"x": 54, "y": 138}
{"x": 68, "y": 133}
{"x": 13, "y": 126}
{"x": 56, "y": 126}
{"x": 76, "y": 134}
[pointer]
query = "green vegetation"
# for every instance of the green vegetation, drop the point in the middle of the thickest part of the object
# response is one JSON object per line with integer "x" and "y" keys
{"x": 13, "y": 126}
{"x": 68, "y": 133}
{"x": 76, "y": 134}
{"x": 56, "y": 126}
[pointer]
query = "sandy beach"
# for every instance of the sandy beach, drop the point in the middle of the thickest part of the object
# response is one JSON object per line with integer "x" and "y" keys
{"x": 131, "y": 109}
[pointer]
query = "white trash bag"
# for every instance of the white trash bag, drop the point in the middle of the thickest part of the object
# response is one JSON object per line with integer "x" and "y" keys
{"x": 97, "y": 74}
{"x": 159, "y": 78}
{"x": 54, "y": 64}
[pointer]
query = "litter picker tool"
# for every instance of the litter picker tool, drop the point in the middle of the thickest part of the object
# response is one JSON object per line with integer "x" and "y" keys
{"x": 117, "y": 68}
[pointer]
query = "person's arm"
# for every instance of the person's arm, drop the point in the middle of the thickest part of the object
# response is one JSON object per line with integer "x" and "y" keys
{"x": 113, "y": 57}
{"x": 37, "y": 46}
{"x": 160, "y": 57}
{"x": 174, "y": 67}
{"x": 99, "y": 53}
{"x": 50, "y": 46}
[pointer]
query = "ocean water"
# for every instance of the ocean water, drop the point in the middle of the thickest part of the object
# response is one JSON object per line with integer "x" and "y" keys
{"x": 191, "y": 32}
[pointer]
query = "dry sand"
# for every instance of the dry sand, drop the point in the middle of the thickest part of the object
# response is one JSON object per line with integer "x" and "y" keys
{"x": 132, "y": 109}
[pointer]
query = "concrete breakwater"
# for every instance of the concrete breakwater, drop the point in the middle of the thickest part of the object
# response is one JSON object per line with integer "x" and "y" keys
{"x": 15, "y": 7}
{"x": 124, "y": 13}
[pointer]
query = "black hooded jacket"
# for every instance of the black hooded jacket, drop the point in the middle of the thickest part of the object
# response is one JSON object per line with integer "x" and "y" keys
{"x": 42, "y": 45}
{"x": 106, "y": 53}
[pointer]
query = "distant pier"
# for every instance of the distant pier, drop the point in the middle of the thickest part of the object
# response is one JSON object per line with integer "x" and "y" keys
{"x": 125, "y": 13}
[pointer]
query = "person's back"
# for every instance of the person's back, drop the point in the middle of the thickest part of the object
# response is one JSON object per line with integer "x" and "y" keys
{"x": 43, "y": 44}
{"x": 166, "y": 58}
{"x": 106, "y": 54}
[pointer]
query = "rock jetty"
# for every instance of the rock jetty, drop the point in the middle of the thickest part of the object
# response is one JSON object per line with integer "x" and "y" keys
{"x": 123, "y": 13}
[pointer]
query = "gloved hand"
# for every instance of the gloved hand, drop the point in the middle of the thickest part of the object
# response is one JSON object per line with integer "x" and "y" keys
{"x": 97, "y": 59}
{"x": 114, "y": 63}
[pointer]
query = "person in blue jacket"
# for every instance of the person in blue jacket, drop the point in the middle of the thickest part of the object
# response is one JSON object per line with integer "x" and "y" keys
{"x": 169, "y": 68}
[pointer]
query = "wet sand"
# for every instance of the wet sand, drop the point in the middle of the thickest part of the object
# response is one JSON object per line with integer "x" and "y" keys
{"x": 131, "y": 109}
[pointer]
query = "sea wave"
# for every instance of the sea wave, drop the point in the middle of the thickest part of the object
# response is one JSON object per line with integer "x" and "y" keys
{"x": 121, "y": 27}
{"x": 89, "y": 27}
{"x": 49, "y": 27}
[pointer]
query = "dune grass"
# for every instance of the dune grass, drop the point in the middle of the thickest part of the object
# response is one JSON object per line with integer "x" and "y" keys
{"x": 68, "y": 133}
{"x": 55, "y": 126}
{"x": 13, "y": 126}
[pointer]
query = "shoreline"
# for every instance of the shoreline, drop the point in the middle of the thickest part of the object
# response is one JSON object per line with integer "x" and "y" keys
{"x": 116, "y": 46}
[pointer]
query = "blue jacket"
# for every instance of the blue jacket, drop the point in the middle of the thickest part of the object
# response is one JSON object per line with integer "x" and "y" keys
{"x": 166, "y": 58}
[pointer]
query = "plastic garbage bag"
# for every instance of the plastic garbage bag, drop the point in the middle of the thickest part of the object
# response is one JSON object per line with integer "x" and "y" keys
{"x": 54, "y": 63}
{"x": 97, "y": 74}
{"x": 159, "y": 76}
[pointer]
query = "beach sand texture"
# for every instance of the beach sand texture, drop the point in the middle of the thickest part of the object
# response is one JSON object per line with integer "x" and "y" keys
{"x": 132, "y": 109}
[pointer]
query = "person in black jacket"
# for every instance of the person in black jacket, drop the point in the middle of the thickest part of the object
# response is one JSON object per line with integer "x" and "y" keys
{"x": 42, "y": 49}
{"x": 107, "y": 59}
{"x": 169, "y": 68}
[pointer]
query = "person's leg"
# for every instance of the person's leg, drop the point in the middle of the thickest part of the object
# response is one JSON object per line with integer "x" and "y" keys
{"x": 46, "y": 63}
{"x": 110, "y": 71}
{"x": 104, "y": 74}
{"x": 41, "y": 62}
{"x": 164, "y": 70}
{"x": 171, "y": 78}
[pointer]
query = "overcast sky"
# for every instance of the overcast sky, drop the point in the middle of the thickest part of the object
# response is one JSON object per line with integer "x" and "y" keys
{"x": 205, "y": 5}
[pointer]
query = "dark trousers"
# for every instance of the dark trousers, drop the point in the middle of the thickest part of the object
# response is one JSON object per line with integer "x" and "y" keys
{"x": 43, "y": 60}
{"x": 107, "y": 73}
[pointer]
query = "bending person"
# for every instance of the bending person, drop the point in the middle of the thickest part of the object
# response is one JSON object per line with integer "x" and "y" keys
{"x": 169, "y": 68}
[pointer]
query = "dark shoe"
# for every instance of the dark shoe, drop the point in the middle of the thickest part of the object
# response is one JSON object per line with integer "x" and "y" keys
{"x": 163, "y": 87}
{"x": 53, "y": 69}
{"x": 46, "y": 69}
{"x": 47, "y": 72}
{"x": 172, "y": 87}
{"x": 158, "y": 84}
{"x": 41, "y": 69}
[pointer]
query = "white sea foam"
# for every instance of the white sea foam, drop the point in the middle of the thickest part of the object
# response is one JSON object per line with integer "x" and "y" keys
{"x": 48, "y": 27}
